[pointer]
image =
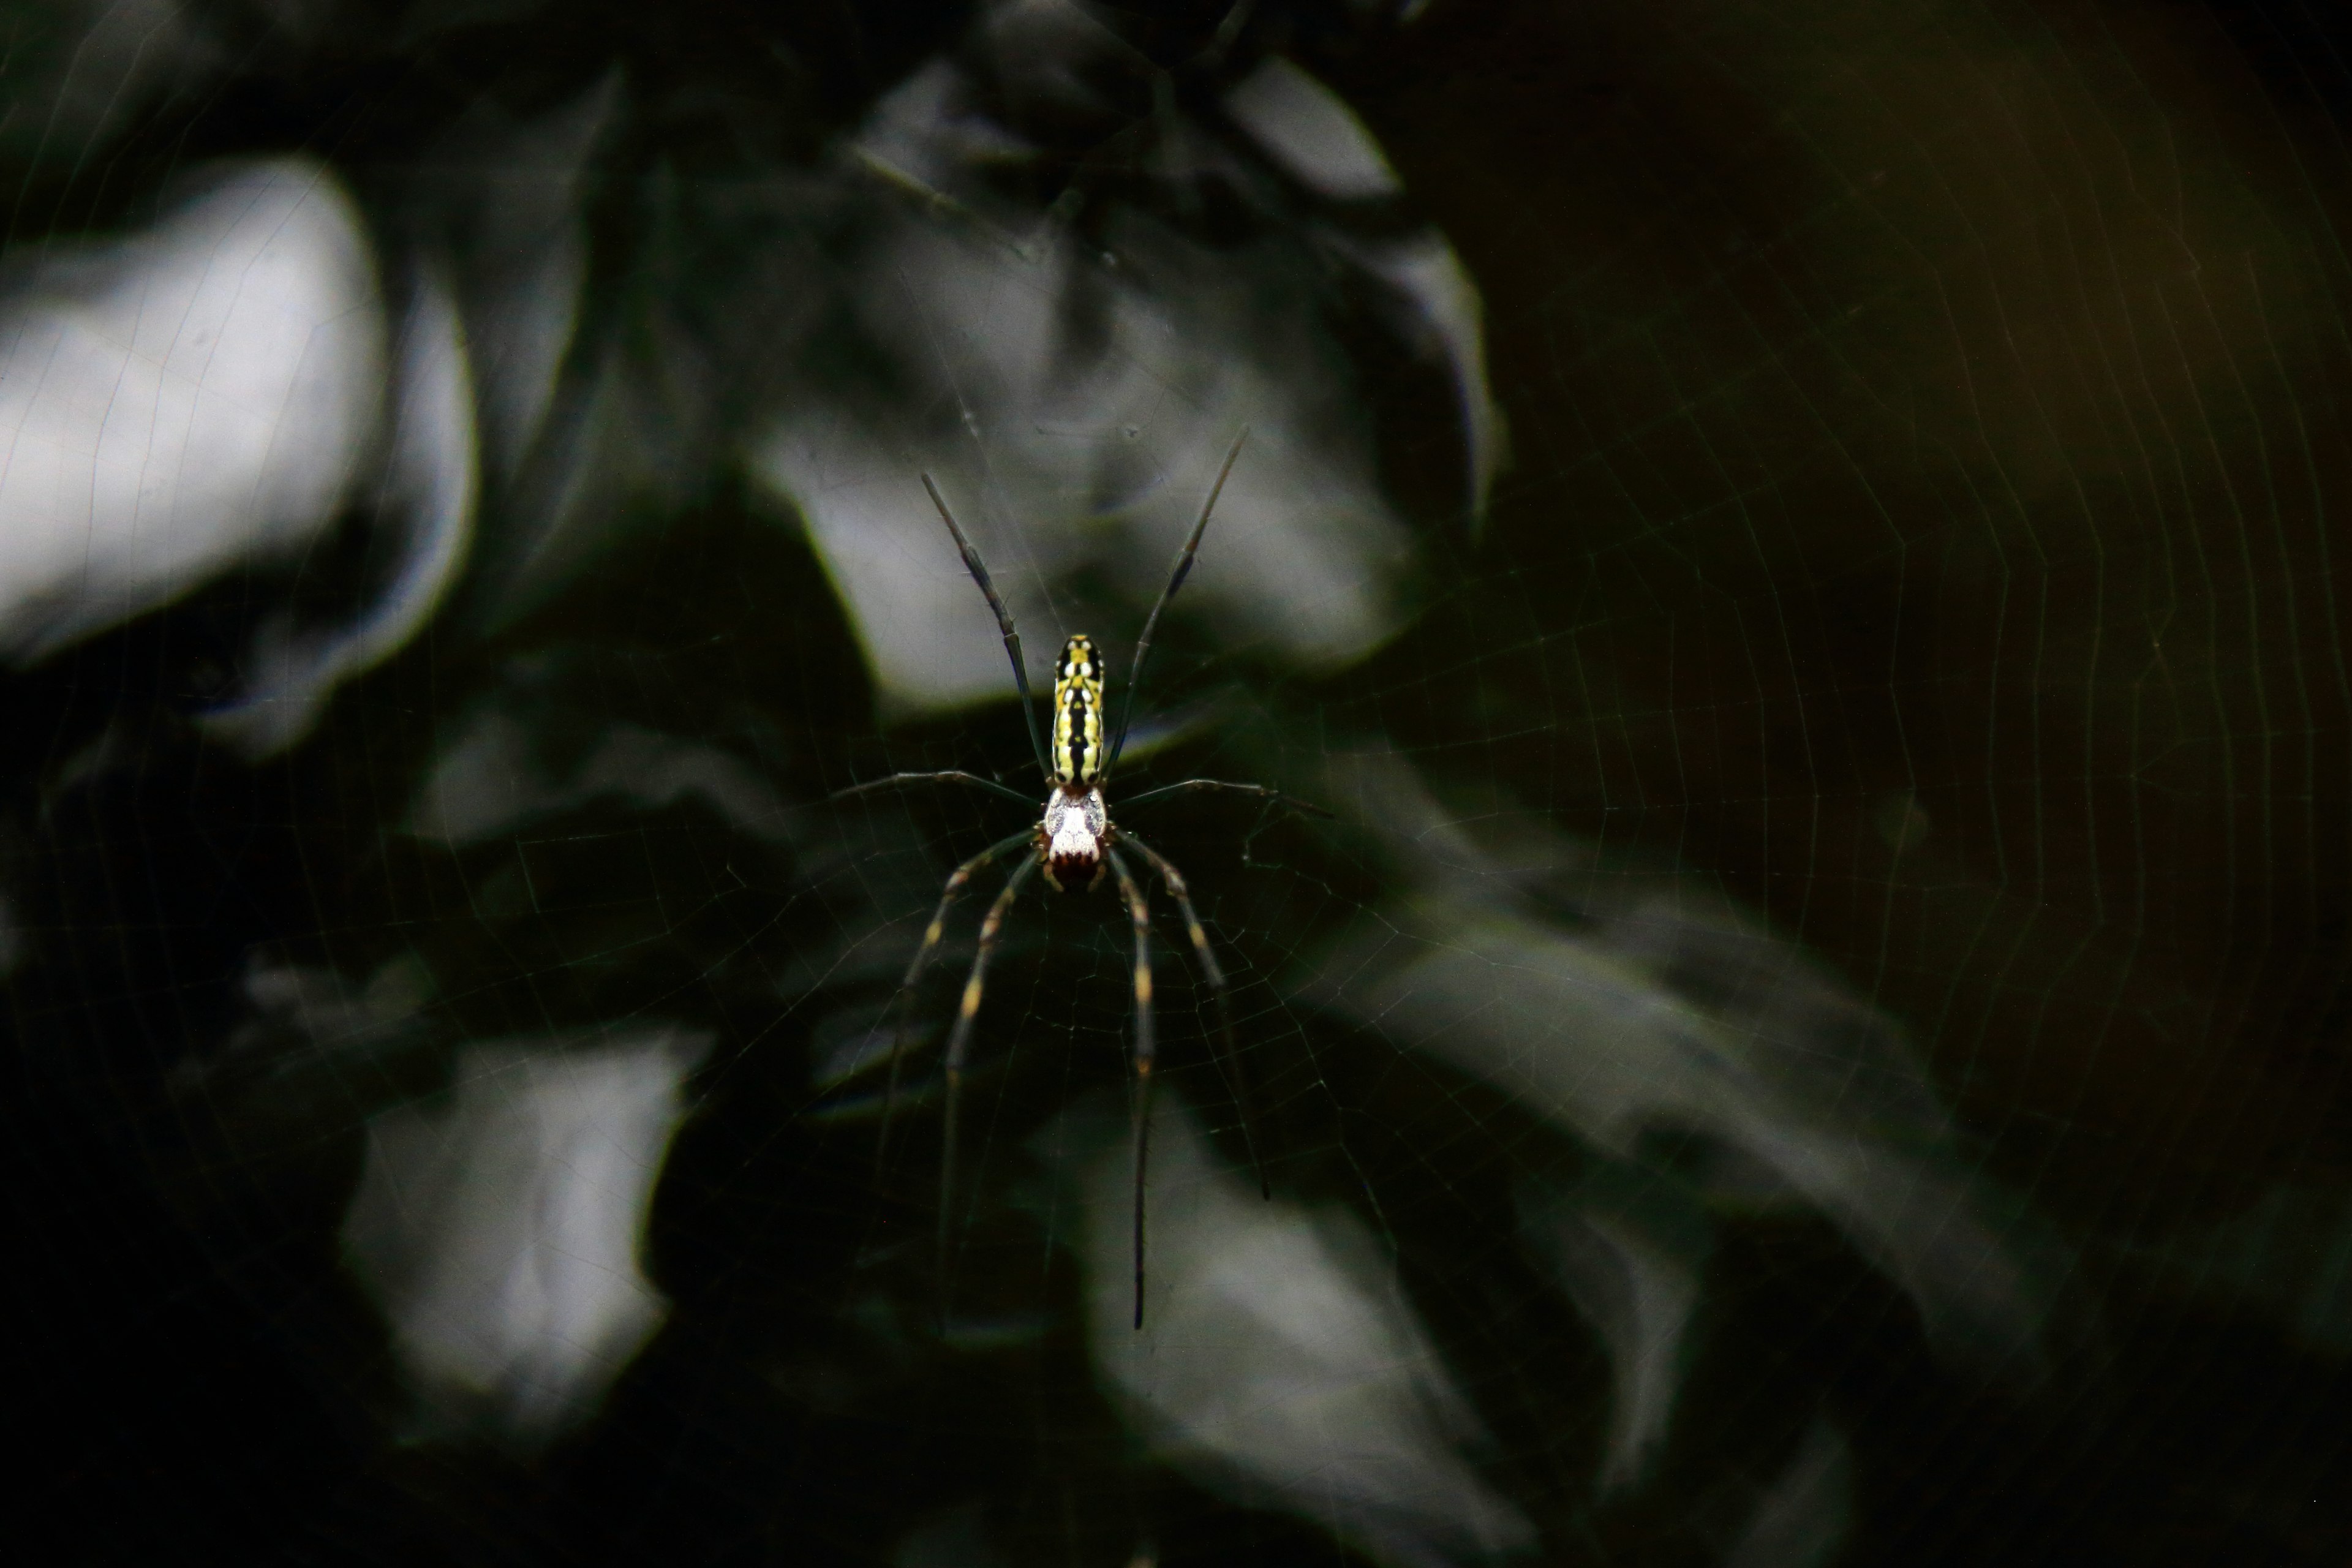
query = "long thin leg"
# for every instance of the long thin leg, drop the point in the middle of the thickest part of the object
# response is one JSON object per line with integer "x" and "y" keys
{"x": 1004, "y": 624}
{"x": 1259, "y": 792}
{"x": 958, "y": 1046}
{"x": 1229, "y": 1055}
{"x": 1007, "y": 791}
{"x": 930, "y": 945}
{"x": 1175, "y": 581}
{"x": 1146, "y": 1053}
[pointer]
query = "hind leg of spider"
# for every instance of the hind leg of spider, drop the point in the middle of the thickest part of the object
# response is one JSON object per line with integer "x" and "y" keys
{"x": 952, "y": 777}
{"x": 1146, "y": 1053}
{"x": 1273, "y": 798}
{"x": 959, "y": 1047}
{"x": 1229, "y": 1061}
{"x": 957, "y": 879}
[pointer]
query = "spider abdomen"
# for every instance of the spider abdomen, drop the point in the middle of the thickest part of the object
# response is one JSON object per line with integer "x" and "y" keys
{"x": 1077, "y": 713}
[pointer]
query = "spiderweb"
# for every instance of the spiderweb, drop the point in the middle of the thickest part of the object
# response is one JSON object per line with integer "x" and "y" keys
{"x": 1793, "y": 542}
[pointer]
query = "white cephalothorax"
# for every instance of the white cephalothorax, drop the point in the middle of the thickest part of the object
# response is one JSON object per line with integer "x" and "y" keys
{"x": 1073, "y": 829}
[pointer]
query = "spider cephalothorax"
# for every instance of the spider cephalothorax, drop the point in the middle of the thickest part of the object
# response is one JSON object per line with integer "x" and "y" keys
{"x": 1072, "y": 836}
{"x": 1074, "y": 842}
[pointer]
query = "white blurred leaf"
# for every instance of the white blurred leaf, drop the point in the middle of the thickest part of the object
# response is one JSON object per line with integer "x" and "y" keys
{"x": 1596, "y": 1040}
{"x": 1310, "y": 132}
{"x": 528, "y": 266}
{"x": 185, "y": 399}
{"x": 1277, "y": 1365}
{"x": 1802, "y": 1522}
{"x": 497, "y": 773}
{"x": 500, "y": 1228}
{"x": 1629, "y": 1252}
{"x": 424, "y": 503}
{"x": 2285, "y": 1257}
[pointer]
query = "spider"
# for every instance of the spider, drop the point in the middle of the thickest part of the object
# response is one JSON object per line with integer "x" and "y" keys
{"x": 1073, "y": 844}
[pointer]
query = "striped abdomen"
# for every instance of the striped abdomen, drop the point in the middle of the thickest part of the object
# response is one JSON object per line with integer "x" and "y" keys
{"x": 1078, "y": 712}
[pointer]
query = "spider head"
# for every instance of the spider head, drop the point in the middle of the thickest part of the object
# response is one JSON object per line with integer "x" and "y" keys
{"x": 1076, "y": 822}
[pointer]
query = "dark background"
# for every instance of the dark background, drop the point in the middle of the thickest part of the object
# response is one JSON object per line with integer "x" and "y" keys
{"x": 1929, "y": 436}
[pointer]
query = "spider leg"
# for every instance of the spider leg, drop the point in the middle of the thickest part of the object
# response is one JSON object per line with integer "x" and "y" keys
{"x": 1260, "y": 791}
{"x": 930, "y": 945}
{"x": 952, "y": 777}
{"x": 960, "y": 1046}
{"x": 1175, "y": 581}
{"x": 1146, "y": 1052}
{"x": 1004, "y": 624}
{"x": 1229, "y": 1061}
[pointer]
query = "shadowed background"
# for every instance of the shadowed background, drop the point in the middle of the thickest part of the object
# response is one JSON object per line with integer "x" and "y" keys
{"x": 1797, "y": 540}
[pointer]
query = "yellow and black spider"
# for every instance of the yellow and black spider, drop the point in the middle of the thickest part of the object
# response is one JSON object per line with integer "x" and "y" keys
{"x": 1074, "y": 842}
